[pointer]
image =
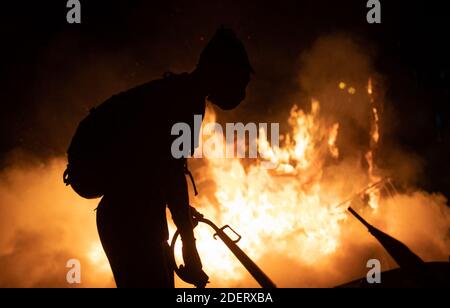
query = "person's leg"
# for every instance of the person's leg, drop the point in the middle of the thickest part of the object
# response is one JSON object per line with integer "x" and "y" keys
{"x": 170, "y": 272}
{"x": 137, "y": 257}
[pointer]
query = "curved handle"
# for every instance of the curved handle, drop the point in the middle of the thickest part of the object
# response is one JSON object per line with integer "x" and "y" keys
{"x": 239, "y": 237}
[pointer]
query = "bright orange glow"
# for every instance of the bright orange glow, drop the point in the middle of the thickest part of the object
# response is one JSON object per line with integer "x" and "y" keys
{"x": 291, "y": 219}
{"x": 97, "y": 257}
{"x": 375, "y": 128}
{"x": 370, "y": 87}
{"x": 292, "y": 208}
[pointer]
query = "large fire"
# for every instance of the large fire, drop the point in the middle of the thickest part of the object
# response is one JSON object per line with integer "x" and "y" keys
{"x": 292, "y": 218}
{"x": 289, "y": 210}
{"x": 294, "y": 210}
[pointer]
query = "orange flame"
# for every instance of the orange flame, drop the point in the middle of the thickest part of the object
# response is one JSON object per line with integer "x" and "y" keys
{"x": 289, "y": 208}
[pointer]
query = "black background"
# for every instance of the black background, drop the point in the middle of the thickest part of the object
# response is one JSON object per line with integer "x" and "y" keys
{"x": 139, "y": 40}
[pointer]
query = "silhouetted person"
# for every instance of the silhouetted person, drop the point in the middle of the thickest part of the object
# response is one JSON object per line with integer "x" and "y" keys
{"x": 141, "y": 175}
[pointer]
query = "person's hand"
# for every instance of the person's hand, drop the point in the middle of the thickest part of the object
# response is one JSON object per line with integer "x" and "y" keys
{"x": 192, "y": 271}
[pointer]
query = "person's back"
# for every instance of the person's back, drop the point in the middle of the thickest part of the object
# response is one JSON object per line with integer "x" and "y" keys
{"x": 141, "y": 161}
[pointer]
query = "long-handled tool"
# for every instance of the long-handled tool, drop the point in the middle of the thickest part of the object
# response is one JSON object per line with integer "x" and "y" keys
{"x": 248, "y": 263}
{"x": 402, "y": 255}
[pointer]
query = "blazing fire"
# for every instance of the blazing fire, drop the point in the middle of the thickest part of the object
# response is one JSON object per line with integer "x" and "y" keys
{"x": 292, "y": 209}
{"x": 292, "y": 218}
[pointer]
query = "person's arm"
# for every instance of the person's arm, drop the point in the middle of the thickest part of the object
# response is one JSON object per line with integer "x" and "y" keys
{"x": 178, "y": 203}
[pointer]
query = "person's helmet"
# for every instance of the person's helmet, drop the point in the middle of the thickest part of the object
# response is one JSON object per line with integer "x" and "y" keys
{"x": 224, "y": 49}
{"x": 225, "y": 62}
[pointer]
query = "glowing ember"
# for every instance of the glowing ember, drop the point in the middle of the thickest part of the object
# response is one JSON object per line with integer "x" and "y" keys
{"x": 375, "y": 128}
{"x": 370, "y": 87}
{"x": 374, "y": 196}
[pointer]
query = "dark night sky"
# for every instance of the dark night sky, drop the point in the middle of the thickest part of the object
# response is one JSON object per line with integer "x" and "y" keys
{"x": 134, "y": 41}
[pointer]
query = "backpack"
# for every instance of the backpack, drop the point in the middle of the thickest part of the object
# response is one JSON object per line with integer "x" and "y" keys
{"x": 96, "y": 152}
{"x": 91, "y": 149}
